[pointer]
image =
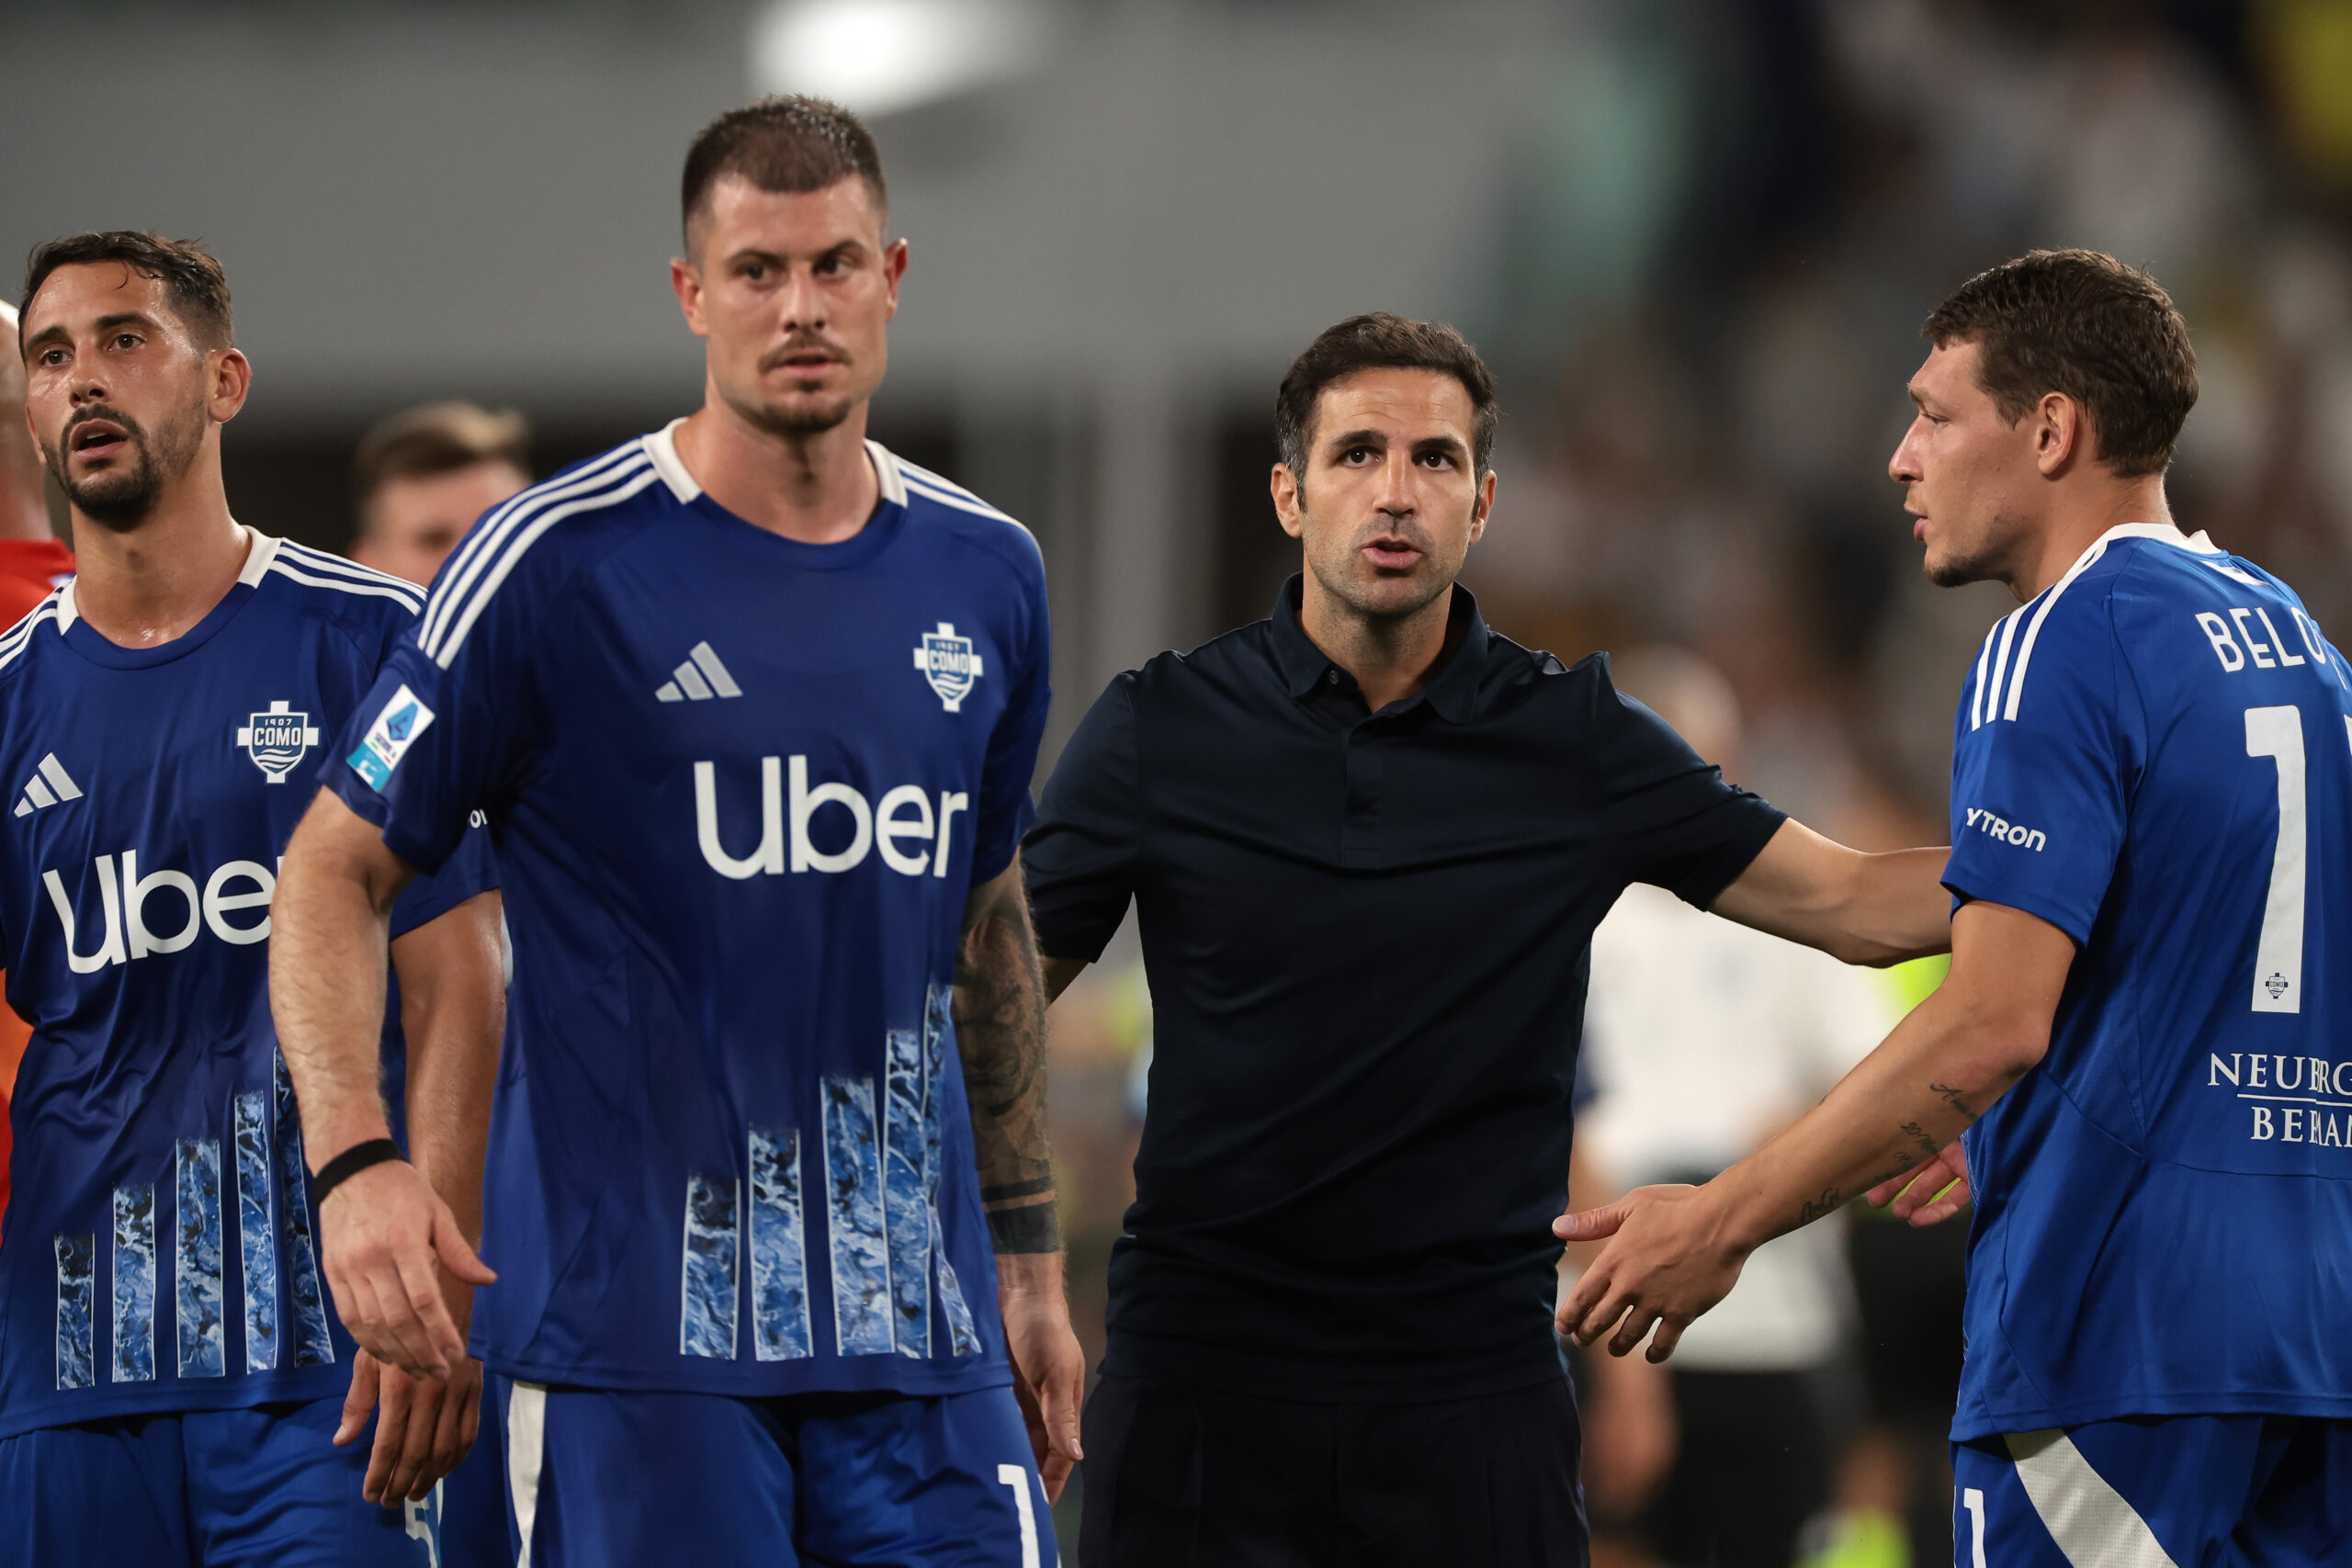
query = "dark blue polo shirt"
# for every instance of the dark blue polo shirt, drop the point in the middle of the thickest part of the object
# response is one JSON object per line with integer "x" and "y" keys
{"x": 1367, "y": 937}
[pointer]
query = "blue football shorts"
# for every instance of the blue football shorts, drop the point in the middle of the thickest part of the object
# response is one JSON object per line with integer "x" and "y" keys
{"x": 265, "y": 1487}
{"x": 601, "y": 1479}
{"x": 2159, "y": 1491}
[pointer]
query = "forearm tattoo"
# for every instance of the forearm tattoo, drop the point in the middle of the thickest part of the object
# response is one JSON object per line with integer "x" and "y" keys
{"x": 1000, "y": 1031}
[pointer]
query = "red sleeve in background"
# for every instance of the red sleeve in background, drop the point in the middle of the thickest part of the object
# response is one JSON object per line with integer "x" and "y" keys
{"x": 28, "y": 570}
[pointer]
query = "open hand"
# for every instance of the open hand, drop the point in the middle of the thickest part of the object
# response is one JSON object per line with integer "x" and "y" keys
{"x": 1049, "y": 1369}
{"x": 1664, "y": 1263}
{"x": 423, "y": 1429}
{"x": 385, "y": 1236}
{"x": 1932, "y": 1193}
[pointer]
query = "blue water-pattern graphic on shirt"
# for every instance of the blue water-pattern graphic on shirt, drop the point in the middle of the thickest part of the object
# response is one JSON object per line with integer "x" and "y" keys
{"x": 853, "y": 1198}
{"x": 198, "y": 1270}
{"x": 305, "y": 1295}
{"x": 779, "y": 1248}
{"x": 907, "y": 1193}
{"x": 962, "y": 1338}
{"x": 257, "y": 1232}
{"x": 706, "y": 1317}
{"x": 134, "y": 1284}
{"x": 77, "y": 1292}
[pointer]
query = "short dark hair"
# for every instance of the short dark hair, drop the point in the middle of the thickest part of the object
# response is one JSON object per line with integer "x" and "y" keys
{"x": 437, "y": 438}
{"x": 2083, "y": 323}
{"x": 198, "y": 289}
{"x": 793, "y": 144}
{"x": 1381, "y": 341}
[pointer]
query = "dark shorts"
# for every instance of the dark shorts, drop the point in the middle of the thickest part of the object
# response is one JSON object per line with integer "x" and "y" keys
{"x": 1181, "y": 1476}
{"x": 1752, "y": 1467}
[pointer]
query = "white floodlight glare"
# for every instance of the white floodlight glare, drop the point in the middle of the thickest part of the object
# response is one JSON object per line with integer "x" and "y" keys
{"x": 879, "y": 56}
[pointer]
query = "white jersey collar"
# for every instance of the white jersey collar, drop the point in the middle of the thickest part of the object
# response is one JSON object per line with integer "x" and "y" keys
{"x": 662, "y": 448}
{"x": 2199, "y": 543}
{"x": 260, "y": 551}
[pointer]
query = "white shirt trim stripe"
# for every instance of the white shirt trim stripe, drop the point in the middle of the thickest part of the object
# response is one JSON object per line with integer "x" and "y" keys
{"x": 2008, "y": 629}
{"x": 2091, "y": 1522}
{"x": 466, "y": 562}
{"x": 1976, "y": 698}
{"x": 258, "y": 554}
{"x": 528, "y": 535}
{"x": 890, "y": 469}
{"x": 456, "y": 594}
{"x": 402, "y": 592}
{"x": 2033, "y": 629}
{"x": 662, "y": 448}
{"x": 49, "y": 611}
{"x": 340, "y": 566}
{"x": 917, "y": 474}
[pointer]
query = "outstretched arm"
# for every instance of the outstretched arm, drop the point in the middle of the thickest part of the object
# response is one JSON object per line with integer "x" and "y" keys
{"x": 385, "y": 1235}
{"x": 1676, "y": 1251}
{"x": 1863, "y": 908}
{"x": 1000, "y": 1031}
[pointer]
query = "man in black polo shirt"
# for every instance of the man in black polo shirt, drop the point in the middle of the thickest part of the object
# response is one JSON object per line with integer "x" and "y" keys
{"x": 1369, "y": 841}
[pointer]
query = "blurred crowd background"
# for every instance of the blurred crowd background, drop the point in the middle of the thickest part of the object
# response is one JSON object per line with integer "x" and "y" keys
{"x": 1695, "y": 237}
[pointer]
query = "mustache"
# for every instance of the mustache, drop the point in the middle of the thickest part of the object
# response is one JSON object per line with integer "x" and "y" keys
{"x": 803, "y": 342}
{"x": 130, "y": 427}
{"x": 1405, "y": 528}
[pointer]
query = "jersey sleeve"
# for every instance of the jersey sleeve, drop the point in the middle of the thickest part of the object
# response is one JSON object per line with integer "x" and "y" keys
{"x": 441, "y": 732}
{"x": 1668, "y": 815}
{"x": 1004, "y": 812}
{"x": 1080, "y": 860}
{"x": 471, "y": 869}
{"x": 2039, "y": 774}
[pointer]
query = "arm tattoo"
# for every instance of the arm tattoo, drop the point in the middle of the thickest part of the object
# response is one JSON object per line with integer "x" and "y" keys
{"x": 1000, "y": 1032}
{"x": 1956, "y": 1098}
{"x": 1919, "y": 1136}
{"x": 1813, "y": 1209}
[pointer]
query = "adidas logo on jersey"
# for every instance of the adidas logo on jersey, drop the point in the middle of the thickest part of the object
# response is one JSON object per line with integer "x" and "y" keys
{"x": 698, "y": 679}
{"x": 49, "y": 786}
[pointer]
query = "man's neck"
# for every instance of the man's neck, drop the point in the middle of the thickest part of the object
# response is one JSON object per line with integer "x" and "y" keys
{"x": 818, "y": 489}
{"x": 2073, "y": 529}
{"x": 1390, "y": 657}
{"x": 153, "y": 585}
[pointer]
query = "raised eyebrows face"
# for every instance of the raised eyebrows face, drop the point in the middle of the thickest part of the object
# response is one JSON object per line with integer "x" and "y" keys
{"x": 1969, "y": 472}
{"x": 1389, "y": 505}
{"x": 120, "y": 394}
{"x": 793, "y": 292}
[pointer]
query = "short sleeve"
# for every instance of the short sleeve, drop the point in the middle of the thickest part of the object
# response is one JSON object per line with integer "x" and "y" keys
{"x": 1080, "y": 860}
{"x": 1670, "y": 815}
{"x": 2038, "y": 799}
{"x": 440, "y": 734}
{"x": 471, "y": 869}
{"x": 1004, "y": 813}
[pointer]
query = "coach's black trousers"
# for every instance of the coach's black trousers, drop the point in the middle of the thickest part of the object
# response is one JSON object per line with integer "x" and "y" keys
{"x": 1179, "y": 1476}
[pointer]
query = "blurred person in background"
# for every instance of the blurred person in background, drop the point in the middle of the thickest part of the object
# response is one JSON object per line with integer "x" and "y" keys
{"x": 1368, "y": 840}
{"x": 421, "y": 477}
{"x": 2142, "y": 1037}
{"x": 33, "y": 560}
{"x": 171, "y": 1373}
{"x": 1702, "y": 1037}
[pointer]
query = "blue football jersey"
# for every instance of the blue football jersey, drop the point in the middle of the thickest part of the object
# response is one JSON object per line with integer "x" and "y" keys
{"x": 2154, "y": 755}
{"x": 160, "y": 1252}
{"x": 739, "y": 787}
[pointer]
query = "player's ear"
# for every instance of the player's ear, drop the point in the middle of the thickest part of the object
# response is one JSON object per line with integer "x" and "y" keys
{"x": 232, "y": 378}
{"x": 685, "y": 282}
{"x": 2058, "y": 431}
{"x": 1485, "y": 507}
{"x": 894, "y": 267}
{"x": 1288, "y": 511}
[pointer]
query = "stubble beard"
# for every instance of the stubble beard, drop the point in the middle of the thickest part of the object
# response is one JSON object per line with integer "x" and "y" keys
{"x": 125, "y": 496}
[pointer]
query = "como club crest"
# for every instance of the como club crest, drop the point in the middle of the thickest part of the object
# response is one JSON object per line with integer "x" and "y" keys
{"x": 950, "y": 664}
{"x": 278, "y": 740}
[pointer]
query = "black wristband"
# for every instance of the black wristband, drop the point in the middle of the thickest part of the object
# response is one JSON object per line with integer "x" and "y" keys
{"x": 350, "y": 1162}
